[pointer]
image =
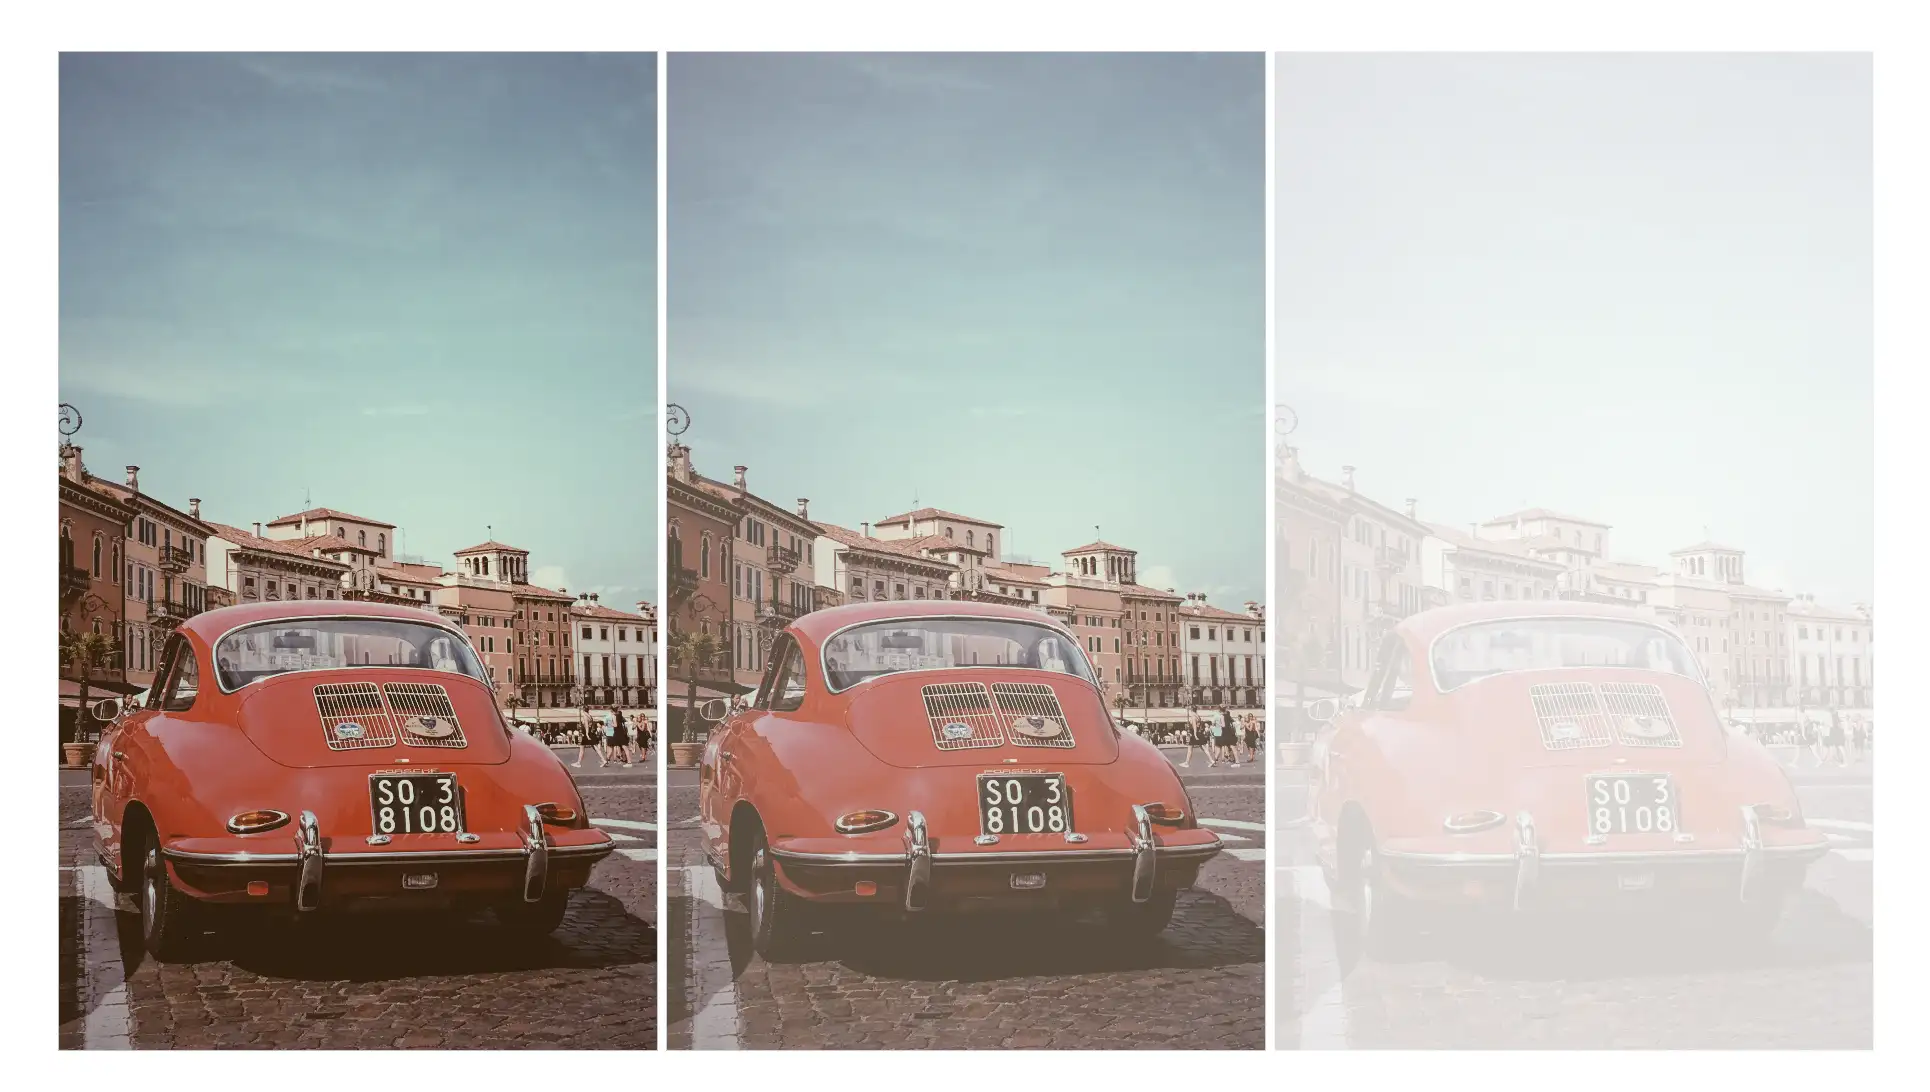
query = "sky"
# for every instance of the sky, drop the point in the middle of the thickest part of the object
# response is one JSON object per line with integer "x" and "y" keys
{"x": 1029, "y": 289}
{"x": 420, "y": 289}
{"x": 1636, "y": 289}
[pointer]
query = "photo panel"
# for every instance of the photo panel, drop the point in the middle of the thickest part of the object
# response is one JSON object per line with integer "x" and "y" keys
{"x": 1573, "y": 551}
{"x": 358, "y": 615}
{"x": 965, "y": 544}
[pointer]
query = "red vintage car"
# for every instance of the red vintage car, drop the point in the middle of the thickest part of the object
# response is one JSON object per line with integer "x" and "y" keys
{"x": 1546, "y": 755}
{"x": 309, "y": 757}
{"x": 939, "y": 757}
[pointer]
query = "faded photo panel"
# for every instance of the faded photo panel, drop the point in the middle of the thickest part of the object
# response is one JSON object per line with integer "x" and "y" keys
{"x": 1574, "y": 567}
{"x": 965, "y": 671}
{"x": 357, "y": 615}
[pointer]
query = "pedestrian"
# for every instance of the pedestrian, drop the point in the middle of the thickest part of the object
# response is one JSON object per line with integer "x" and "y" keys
{"x": 643, "y": 737}
{"x": 583, "y": 738}
{"x": 1838, "y": 742}
{"x": 1190, "y": 734}
{"x": 621, "y": 737}
{"x": 1229, "y": 738}
{"x": 1252, "y": 737}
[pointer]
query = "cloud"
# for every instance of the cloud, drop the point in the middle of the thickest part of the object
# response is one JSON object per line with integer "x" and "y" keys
{"x": 903, "y": 74}
{"x": 304, "y": 74}
{"x": 1160, "y": 576}
{"x": 395, "y": 411}
{"x": 550, "y": 576}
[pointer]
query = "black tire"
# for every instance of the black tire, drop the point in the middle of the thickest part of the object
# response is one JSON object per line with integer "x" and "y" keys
{"x": 1142, "y": 920}
{"x": 534, "y": 920}
{"x": 777, "y": 918}
{"x": 1371, "y": 920}
{"x": 170, "y": 920}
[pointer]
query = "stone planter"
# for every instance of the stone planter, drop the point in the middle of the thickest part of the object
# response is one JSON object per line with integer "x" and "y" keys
{"x": 685, "y": 754}
{"x": 73, "y": 755}
{"x": 1295, "y": 755}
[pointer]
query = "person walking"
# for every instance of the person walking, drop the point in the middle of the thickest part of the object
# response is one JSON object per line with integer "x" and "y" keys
{"x": 1252, "y": 735}
{"x": 620, "y": 738}
{"x": 1229, "y": 738}
{"x": 1190, "y": 735}
{"x": 584, "y": 738}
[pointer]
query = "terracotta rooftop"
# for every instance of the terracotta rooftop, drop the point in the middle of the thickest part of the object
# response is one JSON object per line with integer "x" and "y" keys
{"x": 1141, "y": 591}
{"x": 490, "y": 547}
{"x": 537, "y": 591}
{"x": 1541, "y": 513}
{"x": 936, "y": 513}
{"x": 250, "y": 541}
{"x": 1193, "y": 608}
{"x": 404, "y": 570}
{"x": 597, "y": 610}
{"x": 1506, "y": 547}
{"x": 903, "y": 547}
{"x": 1704, "y": 547}
{"x": 1029, "y": 574}
{"x": 1102, "y": 544}
{"x": 327, "y": 513}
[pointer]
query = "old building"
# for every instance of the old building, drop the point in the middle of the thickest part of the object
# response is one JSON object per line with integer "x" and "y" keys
{"x": 1471, "y": 569}
{"x": 1831, "y": 659}
{"x": 1150, "y": 629}
{"x": 982, "y": 536}
{"x": 257, "y": 569}
{"x": 771, "y": 571}
{"x": 866, "y": 568}
{"x": 93, "y": 529}
{"x": 699, "y": 531}
{"x": 368, "y": 534}
{"x": 164, "y": 575}
{"x": 1224, "y": 654}
{"x": 613, "y": 649}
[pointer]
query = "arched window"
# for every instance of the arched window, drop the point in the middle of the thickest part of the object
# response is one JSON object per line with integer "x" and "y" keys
{"x": 117, "y": 562}
{"x": 66, "y": 544}
{"x": 382, "y": 544}
{"x": 361, "y": 538}
{"x": 703, "y": 558}
{"x": 94, "y": 563}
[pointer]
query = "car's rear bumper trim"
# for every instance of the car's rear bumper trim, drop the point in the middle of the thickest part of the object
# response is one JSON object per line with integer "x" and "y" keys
{"x": 382, "y": 857}
{"x": 996, "y": 857}
{"x": 1657, "y": 856}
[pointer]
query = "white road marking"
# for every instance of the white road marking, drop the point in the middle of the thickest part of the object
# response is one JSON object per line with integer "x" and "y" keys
{"x": 640, "y": 854}
{"x": 1859, "y": 856}
{"x": 615, "y": 837}
{"x": 714, "y": 1026}
{"x": 1234, "y": 824}
{"x": 1323, "y": 1017}
{"x": 1249, "y": 853}
{"x": 624, "y": 824}
{"x": 1234, "y": 838}
{"x": 1832, "y": 824}
{"x": 106, "y": 978}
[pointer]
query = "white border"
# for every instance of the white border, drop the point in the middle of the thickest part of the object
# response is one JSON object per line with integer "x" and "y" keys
{"x": 663, "y": 555}
{"x": 1270, "y": 694}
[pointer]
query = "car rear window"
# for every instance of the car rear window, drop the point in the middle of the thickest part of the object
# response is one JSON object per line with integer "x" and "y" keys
{"x": 935, "y": 644}
{"x": 1466, "y": 653}
{"x": 323, "y": 644}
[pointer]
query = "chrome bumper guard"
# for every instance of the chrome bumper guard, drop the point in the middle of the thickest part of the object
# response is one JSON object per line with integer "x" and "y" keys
{"x": 1752, "y": 855}
{"x": 537, "y": 847}
{"x": 1145, "y": 853}
{"x": 1527, "y": 859}
{"x": 917, "y": 862}
{"x": 308, "y": 849}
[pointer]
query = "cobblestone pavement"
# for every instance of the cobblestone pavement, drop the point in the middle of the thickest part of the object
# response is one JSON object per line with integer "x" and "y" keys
{"x": 373, "y": 982}
{"x": 1576, "y": 983}
{"x": 980, "y": 983}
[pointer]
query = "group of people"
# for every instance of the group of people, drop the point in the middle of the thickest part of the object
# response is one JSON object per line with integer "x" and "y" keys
{"x": 612, "y": 736}
{"x": 1840, "y": 739}
{"x": 1224, "y": 739}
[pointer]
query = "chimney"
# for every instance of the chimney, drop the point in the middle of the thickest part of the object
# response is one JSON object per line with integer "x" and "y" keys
{"x": 134, "y": 478}
{"x": 680, "y": 462}
{"x": 194, "y": 507}
{"x": 257, "y": 528}
{"x": 594, "y": 597}
{"x": 1347, "y": 478}
{"x": 70, "y": 465}
{"x": 1411, "y": 502}
{"x": 737, "y": 477}
{"x": 867, "y": 528}
{"x": 804, "y": 508}
{"x": 1289, "y": 463}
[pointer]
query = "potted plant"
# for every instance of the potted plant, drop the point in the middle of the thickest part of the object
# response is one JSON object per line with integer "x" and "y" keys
{"x": 84, "y": 653}
{"x": 693, "y": 652}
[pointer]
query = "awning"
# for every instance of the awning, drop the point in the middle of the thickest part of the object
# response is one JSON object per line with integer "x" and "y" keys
{"x": 70, "y": 691}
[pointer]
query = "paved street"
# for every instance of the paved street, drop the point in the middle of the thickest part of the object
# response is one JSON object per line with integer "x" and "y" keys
{"x": 1615, "y": 985}
{"x": 374, "y": 982}
{"x": 982, "y": 983}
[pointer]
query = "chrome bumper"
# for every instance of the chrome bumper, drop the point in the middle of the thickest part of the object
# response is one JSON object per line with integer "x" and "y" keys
{"x": 1528, "y": 863}
{"x": 917, "y": 862}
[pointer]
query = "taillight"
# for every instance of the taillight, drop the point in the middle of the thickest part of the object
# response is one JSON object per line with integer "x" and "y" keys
{"x": 1165, "y": 813}
{"x": 864, "y": 821}
{"x": 556, "y": 813}
{"x": 254, "y": 822}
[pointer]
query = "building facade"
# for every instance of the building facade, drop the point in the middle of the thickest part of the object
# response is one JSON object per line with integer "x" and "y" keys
{"x": 699, "y": 534}
{"x": 369, "y": 534}
{"x": 93, "y": 530}
{"x": 1223, "y": 654}
{"x": 545, "y": 669}
{"x": 1831, "y": 657}
{"x": 870, "y": 569}
{"x": 614, "y": 649}
{"x": 1470, "y": 569}
{"x": 165, "y": 575}
{"x": 256, "y": 569}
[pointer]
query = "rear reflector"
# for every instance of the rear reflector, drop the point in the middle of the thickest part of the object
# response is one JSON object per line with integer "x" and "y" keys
{"x": 257, "y": 887}
{"x": 865, "y": 888}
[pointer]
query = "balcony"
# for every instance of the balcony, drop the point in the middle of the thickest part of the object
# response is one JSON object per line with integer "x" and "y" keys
{"x": 781, "y": 559}
{"x": 73, "y": 582}
{"x": 781, "y": 614}
{"x": 176, "y": 559}
{"x": 169, "y": 613}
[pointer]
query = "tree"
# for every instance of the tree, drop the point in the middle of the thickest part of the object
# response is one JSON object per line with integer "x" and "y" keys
{"x": 1122, "y": 701}
{"x": 85, "y": 652}
{"x": 513, "y": 703}
{"x": 694, "y": 652}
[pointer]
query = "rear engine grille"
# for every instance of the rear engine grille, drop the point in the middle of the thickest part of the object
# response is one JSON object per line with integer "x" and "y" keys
{"x": 1640, "y": 715}
{"x": 424, "y": 713}
{"x": 962, "y": 716}
{"x": 1570, "y": 715}
{"x": 358, "y": 705}
{"x": 1032, "y": 715}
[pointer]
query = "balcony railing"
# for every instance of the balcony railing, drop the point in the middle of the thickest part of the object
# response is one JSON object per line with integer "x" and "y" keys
{"x": 169, "y": 613}
{"x": 73, "y": 581}
{"x": 781, "y": 612}
{"x": 781, "y": 559}
{"x": 176, "y": 559}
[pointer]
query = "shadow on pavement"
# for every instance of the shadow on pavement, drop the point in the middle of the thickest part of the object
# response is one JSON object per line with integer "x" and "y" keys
{"x": 1205, "y": 933}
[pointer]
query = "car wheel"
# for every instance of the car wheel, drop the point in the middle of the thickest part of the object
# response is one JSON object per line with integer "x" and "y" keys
{"x": 534, "y": 920}
{"x": 1370, "y": 919}
{"x": 168, "y": 917}
{"x": 777, "y": 917}
{"x": 1142, "y": 920}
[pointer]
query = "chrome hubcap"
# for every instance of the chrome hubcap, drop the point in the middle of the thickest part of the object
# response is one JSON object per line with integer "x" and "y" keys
{"x": 150, "y": 895}
{"x": 1364, "y": 890}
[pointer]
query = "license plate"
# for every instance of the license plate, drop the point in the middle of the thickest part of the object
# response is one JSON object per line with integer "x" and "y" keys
{"x": 415, "y": 803}
{"x": 1024, "y": 804}
{"x": 1633, "y": 804}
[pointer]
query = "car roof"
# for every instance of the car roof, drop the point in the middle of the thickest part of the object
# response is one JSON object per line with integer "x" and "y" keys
{"x": 210, "y": 625}
{"x": 818, "y": 626}
{"x": 1424, "y": 627}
